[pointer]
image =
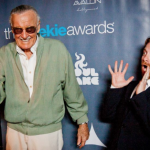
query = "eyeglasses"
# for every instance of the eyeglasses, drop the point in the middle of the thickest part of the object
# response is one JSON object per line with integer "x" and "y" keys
{"x": 29, "y": 30}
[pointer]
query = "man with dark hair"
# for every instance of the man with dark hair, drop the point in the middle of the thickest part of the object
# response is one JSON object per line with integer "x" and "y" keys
{"x": 36, "y": 77}
{"x": 127, "y": 105}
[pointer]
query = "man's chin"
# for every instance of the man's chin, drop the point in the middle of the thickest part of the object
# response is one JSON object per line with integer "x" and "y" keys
{"x": 25, "y": 48}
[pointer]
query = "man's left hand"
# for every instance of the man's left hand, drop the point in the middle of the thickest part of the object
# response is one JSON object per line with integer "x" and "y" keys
{"x": 83, "y": 134}
{"x": 142, "y": 84}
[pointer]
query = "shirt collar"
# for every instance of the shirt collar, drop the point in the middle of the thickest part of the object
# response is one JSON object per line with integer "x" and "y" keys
{"x": 33, "y": 48}
{"x": 148, "y": 83}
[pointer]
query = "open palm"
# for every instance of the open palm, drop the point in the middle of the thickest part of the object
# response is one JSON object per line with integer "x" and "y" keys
{"x": 118, "y": 79}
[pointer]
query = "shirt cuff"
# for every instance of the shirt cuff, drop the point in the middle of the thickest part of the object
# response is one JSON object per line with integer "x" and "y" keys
{"x": 112, "y": 87}
{"x": 82, "y": 119}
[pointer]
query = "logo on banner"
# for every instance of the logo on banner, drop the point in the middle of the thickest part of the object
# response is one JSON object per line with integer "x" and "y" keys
{"x": 93, "y": 138}
{"x": 86, "y": 2}
{"x": 84, "y": 75}
{"x": 56, "y": 30}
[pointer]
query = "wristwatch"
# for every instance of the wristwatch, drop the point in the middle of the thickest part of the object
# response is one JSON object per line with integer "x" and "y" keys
{"x": 83, "y": 123}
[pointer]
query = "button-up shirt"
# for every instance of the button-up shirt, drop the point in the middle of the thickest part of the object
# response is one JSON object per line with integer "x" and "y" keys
{"x": 28, "y": 65}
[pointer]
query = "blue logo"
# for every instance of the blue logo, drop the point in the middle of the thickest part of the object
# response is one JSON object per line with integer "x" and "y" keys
{"x": 53, "y": 31}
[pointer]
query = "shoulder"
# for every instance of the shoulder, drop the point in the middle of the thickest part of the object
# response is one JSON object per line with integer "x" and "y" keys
{"x": 53, "y": 41}
{"x": 54, "y": 46}
{"x": 50, "y": 42}
{"x": 10, "y": 47}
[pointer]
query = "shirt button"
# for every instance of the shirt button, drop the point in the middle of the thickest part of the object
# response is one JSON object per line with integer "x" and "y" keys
{"x": 30, "y": 72}
{"x": 30, "y": 86}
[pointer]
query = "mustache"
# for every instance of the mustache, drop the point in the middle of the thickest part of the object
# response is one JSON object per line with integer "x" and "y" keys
{"x": 25, "y": 39}
{"x": 144, "y": 63}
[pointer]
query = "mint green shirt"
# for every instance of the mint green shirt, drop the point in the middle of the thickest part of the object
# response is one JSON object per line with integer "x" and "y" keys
{"x": 54, "y": 84}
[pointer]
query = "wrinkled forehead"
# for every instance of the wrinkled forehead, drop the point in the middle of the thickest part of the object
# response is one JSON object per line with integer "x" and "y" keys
{"x": 28, "y": 17}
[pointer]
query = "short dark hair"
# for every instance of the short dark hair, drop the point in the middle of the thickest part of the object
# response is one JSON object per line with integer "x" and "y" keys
{"x": 22, "y": 8}
{"x": 147, "y": 41}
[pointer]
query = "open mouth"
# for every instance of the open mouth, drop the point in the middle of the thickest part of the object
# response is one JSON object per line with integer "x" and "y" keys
{"x": 144, "y": 67}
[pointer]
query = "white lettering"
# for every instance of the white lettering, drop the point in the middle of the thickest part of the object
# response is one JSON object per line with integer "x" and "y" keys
{"x": 95, "y": 81}
{"x": 93, "y": 73}
{"x": 79, "y": 30}
{"x": 110, "y": 26}
{"x": 86, "y": 80}
{"x": 103, "y": 28}
{"x": 79, "y": 81}
{"x": 70, "y": 29}
{"x": 90, "y": 29}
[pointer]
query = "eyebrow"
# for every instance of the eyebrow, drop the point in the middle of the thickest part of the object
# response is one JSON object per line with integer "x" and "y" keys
{"x": 144, "y": 49}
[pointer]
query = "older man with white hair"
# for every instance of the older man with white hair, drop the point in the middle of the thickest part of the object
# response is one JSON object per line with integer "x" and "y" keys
{"x": 36, "y": 79}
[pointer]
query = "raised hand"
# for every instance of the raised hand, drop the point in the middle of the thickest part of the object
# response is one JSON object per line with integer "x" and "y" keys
{"x": 142, "y": 84}
{"x": 118, "y": 79}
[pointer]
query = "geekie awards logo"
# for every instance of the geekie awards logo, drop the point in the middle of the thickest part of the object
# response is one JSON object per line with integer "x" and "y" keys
{"x": 56, "y": 30}
{"x": 84, "y": 75}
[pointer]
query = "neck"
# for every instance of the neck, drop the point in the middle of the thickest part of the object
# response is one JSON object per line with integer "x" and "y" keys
{"x": 28, "y": 53}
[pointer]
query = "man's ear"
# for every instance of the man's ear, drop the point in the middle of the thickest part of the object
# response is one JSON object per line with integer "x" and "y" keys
{"x": 38, "y": 27}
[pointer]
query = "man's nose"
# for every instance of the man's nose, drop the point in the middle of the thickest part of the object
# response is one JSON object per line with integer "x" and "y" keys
{"x": 146, "y": 58}
{"x": 24, "y": 34}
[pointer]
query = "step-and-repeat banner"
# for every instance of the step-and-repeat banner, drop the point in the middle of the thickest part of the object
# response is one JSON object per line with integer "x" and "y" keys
{"x": 96, "y": 33}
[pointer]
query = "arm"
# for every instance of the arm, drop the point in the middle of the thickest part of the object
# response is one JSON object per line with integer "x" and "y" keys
{"x": 76, "y": 103}
{"x": 141, "y": 102}
{"x": 114, "y": 96}
{"x": 2, "y": 84}
{"x": 111, "y": 102}
{"x": 141, "y": 106}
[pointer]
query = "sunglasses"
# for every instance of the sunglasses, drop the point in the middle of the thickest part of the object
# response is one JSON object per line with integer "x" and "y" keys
{"x": 29, "y": 30}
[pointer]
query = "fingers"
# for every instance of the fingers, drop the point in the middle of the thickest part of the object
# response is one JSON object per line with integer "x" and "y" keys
{"x": 146, "y": 75}
{"x": 125, "y": 68}
{"x": 130, "y": 79}
{"x": 79, "y": 140}
{"x": 121, "y": 65}
{"x": 110, "y": 70}
{"x": 116, "y": 64}
{"x": 82, "y": 144}
{"x": 83, "y": 134}
{"x": 115, "y": 68}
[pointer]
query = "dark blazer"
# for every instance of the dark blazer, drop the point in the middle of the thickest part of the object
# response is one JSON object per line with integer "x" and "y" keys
{"x": 130, "y": 118}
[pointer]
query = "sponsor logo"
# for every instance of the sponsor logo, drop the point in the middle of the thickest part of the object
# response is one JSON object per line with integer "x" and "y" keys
{"x": 102, "y": 28}
{"x": 93, "y": 138}
{"x": 86, "y": 2}
{"x": 85, "y": 76}
{"x": 56, "y": 30}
